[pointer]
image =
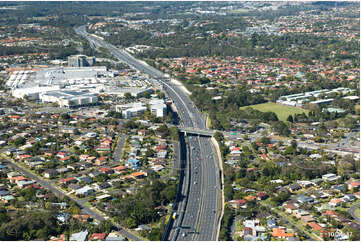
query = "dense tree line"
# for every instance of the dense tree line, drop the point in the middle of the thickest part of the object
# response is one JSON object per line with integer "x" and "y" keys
{"x": 29, "y": 226}
{"x": 224, "y": 233}
{"x": 301, "y": 47}
{"x": 139, "y": 208}
{"x": 17, "y": 50}
{"x": 222, "y": 112}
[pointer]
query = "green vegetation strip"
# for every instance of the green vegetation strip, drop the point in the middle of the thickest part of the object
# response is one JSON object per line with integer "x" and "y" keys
{"x": 282, "y": 111}
{"x": 357, "y": 213}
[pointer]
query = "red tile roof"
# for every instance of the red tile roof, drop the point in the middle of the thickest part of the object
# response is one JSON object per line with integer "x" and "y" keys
{"x": 278, "y": 232}
{"x": 64, "y": 180}
{"x": 315, "y": 226}
{"x": 330, "y": 213}
{"x": 355, "y": 184}
{"x": 97, "y": 236}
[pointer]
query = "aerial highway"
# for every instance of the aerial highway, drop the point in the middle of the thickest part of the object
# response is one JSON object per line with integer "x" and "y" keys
{"x": 198, "y": 213}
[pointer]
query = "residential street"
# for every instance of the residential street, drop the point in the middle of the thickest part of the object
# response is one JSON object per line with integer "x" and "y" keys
{"x": 58, "y": 192}
{"x": 352, "y": 211}
{"x": 287, "y": 221}
{"x": 118, "y": 149}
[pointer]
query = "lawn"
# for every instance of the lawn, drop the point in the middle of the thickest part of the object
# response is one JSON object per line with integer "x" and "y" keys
{"x": 282, "y": 111}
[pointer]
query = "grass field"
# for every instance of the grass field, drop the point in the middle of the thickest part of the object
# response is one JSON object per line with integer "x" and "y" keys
{"x": 282, "y": 111}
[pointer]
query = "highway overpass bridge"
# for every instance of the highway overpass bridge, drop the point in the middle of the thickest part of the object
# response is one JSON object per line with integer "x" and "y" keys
{"x": 191, "y": 130}
{"x": 207, "y": 132}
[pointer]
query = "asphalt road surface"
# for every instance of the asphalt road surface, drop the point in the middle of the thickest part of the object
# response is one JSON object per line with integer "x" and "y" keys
{"x": 352, "y": 211}
{"x": 118, "y": 149}
{"x": 198, "y": 211}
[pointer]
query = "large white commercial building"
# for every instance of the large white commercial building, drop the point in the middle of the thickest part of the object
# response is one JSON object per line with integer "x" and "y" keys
{"x": 33, "y": 92}
{"x": 80, "y": 60}
{"x": 131, "y": 110}
{"x": 69, "y": 98}
{"x": 18, "y": 78}
{"x": 157, "y": 108}
{"x": 78, "y": 86}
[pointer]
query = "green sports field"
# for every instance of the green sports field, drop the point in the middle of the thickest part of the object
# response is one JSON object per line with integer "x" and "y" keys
{"x": 282, "y": 111}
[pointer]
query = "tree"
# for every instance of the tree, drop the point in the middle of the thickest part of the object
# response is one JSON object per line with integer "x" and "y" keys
{"x": 65, "y": 116}
{"x": 155, "y": 235}
{"x": 281, "y": 128}
{"x": 128, "y": 96}
{"x": 145, "y": 95}
{"x": 294, "y": 144}
{"x": 282, "y": 197}
{"x": 20, "y": 141}
{"x": 290, "y": 118}
{"x": 228, "y": 192}
{"x": 174, "y": 133}
{"x": 171, "y": 193}
{"x": 4, "y": 218}
{"x": 103, "y": 227}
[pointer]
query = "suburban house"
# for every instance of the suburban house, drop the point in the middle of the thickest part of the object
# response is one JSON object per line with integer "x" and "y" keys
{"x": 330, "y": 177}
{"x": 236, "y": 204}
{"x": 354, "y": 185}
{"x": 335, "y": 202}
{"x": 84, "y": 191}
{"x": 114, "y": 236}
{"x": 81, "y": 236}
{"x": 97, "y": 236}
{"x": 281, "y": 233}
{"x": 50, "y": 173}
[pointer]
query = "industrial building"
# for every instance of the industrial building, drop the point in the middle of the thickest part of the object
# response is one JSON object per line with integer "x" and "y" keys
{"x": 323, "y": 101}
{"x": 69, "y": 98}
{"x": 300, "y": 98}
{"x": 80, "y": 61}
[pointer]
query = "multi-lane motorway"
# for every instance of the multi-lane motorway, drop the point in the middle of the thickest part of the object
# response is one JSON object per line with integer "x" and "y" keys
{"x": 199, "y": 210}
